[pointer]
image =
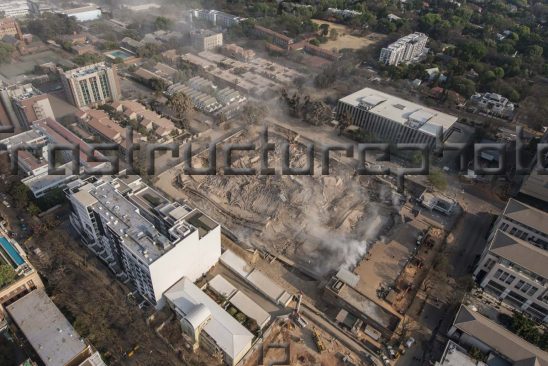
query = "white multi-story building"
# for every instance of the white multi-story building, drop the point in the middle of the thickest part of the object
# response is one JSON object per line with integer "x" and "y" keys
{"x": 216, "y": 17}
{"x": 142, "y": 235}
{"x": 14, "y": 8}
{"x": 392, "y": 119}
{"x": 405, "y": 49}
{"x": 494, "y": 104}
{"x": 91, "y": 85}
{"x": 513, "y": 266}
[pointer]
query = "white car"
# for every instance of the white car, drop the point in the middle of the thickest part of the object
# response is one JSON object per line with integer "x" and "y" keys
{"x": 6, "y": 203}
{"x": 385, "y": 360}
{"x": 409, "y": 342}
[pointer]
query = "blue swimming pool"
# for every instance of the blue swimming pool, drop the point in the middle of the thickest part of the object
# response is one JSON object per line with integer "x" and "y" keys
{"x": 14, "y": 256}
{"x": 119, "y": 54}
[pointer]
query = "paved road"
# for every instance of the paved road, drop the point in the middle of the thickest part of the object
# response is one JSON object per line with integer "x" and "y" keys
{"x": 470, "y": 240}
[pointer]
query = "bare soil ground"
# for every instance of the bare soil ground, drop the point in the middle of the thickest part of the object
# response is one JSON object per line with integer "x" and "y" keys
{"x": 297, "y": 346}
{"x": 346, "y": 39}
{"x": 320, "y": 222}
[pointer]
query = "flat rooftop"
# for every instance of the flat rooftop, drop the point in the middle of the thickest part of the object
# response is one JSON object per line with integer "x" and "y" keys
{"x": 27, "y": 137}
{"x": 128, "y": 204}
{"x": 455, "y": 355}
{"x": 398, "y": 109}
{"x": 47, "y": 330}
{"x": 369, "y": 308}
{"x": 142, "y": 237}
{"x": 86, "y": 70}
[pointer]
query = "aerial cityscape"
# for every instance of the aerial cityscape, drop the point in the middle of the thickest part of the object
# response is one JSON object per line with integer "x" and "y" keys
{"x": 244, "y": 183}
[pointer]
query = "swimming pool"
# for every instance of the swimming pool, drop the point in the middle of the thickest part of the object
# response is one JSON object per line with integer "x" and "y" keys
{"x": 119, "y": 54}
{"x": 11, "y": 252}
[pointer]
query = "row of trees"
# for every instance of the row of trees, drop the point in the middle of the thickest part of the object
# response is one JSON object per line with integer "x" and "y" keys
{"x": 52, "y": 26}
{"x": 526, "y": 329}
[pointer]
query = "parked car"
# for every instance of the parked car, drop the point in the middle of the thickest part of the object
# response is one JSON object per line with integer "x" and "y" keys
{"x": 391, "y": 352}
{"x": 409, "y": 342}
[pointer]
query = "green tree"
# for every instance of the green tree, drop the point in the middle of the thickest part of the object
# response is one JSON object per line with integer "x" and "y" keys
{"x": 52, "y": 25}
{"x": 87, "y": 59}
{"x": 476, "y": 354}
{"x": 534, "y": 50}
{"x": 21, "y": 193}
{"x": 6, "y": 51}
{"x": 7, "y": 275}
{"x": 333, "y": 34}
{"x": 324, "y": 28}
{"x": 385, "y": 26}
{"x": 163, "y": 23}
{"x": 499, "y": 72}
{"x": 463, "y": 86}
{"x": 437, "y": 179}
{"x": 33, "y": 210}
{"x": 472, "y": 50}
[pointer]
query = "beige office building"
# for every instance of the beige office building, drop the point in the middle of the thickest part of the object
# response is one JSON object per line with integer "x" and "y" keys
{"x": 91, "y": 85}
{"x": 204, "y": 40}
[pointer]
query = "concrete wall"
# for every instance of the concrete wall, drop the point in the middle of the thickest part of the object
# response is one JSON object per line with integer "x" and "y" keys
{"x": 192, "y": 258}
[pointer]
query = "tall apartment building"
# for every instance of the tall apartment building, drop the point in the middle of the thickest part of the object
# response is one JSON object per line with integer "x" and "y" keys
{"x": 14, "y": 8}
{"x": 204, "y": 40}
{"x": 91, "y": 85}
{"x": 10, "y": 27}
{"x": 141, "y": 235}
{"x": 21, "y": 105}
{"x": 392, "y": 119}
{"x": 513, "y": 266}
{"x": 405, "y": 49}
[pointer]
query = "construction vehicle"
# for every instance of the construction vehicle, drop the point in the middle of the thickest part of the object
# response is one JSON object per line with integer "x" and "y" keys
{"x": 317, "y": 340}
{"x": 132, "y": 352}
{"x": 296, "y": 315}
